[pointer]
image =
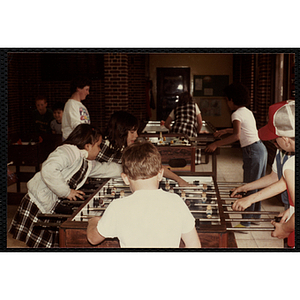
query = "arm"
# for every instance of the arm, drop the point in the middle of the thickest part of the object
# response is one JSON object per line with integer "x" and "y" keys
{"x": 199, "y": 121}
{"x": 191, "y": 239}
{"x": 283, "y": 229}
{"x": 257, "y": 184}
{"x": 169, "y": 174}
{"x": 235, "y": 136}
{"x": 93, "y": 236}
{"x": 168, "y": 122}
{"x": 219, "y": 133}
{"x": 53, "y": 167}
{"x": 105, "y": 170}
{"x": 270, "y": 191}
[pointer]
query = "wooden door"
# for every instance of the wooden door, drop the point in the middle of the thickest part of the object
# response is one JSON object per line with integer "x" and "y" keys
{"x": 171, "y": 82}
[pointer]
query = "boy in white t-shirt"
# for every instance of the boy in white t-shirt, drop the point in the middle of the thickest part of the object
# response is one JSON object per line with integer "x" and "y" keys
{"x": 75, "y": 112}
{"x": 150, "y": 217}
{"x": 244, "y": 130}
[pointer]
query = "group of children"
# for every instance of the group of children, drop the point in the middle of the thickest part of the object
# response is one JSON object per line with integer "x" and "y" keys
{"x": 149, "y": 217}
{"x": 47, "y": 120}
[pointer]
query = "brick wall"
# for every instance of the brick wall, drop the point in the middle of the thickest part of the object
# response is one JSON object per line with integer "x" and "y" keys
{"x": 115, "y": 83}
{"x": 123, "y": 87}
{"x": 137, "y": 86}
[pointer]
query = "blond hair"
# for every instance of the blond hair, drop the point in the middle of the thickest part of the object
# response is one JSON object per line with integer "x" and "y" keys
{"x": 141, "y": 160}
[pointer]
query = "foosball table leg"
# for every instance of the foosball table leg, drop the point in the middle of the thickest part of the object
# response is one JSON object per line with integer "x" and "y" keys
{"x": 223, "y": 240}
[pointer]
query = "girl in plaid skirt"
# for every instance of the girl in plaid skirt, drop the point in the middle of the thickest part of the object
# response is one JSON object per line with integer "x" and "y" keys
{"x": 62, "y": 174}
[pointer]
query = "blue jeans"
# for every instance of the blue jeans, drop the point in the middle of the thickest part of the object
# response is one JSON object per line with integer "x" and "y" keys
{"x": 254, "y": 164}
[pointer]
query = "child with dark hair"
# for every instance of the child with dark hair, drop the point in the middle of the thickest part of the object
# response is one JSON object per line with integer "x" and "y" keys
{"x": 244, "y": 130}
{"x": 58, "y": 110}
{"x": 150, "y": 217}
{"x": 42, "y": 116}
{"x": 75, "y": 112}
{"x": 187, "y": 119}
{"x": 121, "y": 132}
{"x": 62, "y": 174}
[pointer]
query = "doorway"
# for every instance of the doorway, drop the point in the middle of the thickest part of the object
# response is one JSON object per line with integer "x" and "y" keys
{"x": 171, "y": 82}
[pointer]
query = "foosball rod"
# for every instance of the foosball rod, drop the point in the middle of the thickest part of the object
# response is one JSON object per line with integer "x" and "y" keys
{"x": 224, "y": 183}
{"x": 72, "y": 202}
{"x": 53, "y": 216}
{"x": 200, "y": 219}
{"x": 249, "y": 220}
{"x": 250, "y": 229}
{"x": 251, "y": 212}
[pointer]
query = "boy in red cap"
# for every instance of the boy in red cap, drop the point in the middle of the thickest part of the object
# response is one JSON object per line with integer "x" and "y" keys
{"x": 281, "y": 128}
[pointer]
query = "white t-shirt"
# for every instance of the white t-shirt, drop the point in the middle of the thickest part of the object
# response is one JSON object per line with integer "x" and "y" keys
{"x": 289, "y": 165}
{"x": 249, "y": 133}
{"x": 282, "y": 156}
{"x": 74, "y": 114}
{"x": 147, "y": 219}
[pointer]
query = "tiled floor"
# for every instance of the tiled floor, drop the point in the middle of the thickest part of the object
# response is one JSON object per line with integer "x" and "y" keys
{"x": 229, "y": 169}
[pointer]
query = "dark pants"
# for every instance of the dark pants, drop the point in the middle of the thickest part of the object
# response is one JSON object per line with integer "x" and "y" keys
{"x": 254, "y": 165}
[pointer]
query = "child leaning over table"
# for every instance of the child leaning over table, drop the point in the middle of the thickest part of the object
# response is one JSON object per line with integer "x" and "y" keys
{"x": 244, "y": 130}
{"x": 150, "y": 217}
{"x": 281, "y": 127}
{"x": 62, "y": 174}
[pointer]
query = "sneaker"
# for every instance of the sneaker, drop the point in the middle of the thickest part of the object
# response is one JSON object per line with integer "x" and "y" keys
{"x": 239, "y": 226}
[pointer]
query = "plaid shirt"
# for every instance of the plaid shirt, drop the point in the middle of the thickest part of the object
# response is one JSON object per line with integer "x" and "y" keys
{"x": 108, "y": 154}
{"x": 185, "y": 119}
{"x": 186, "y": 122}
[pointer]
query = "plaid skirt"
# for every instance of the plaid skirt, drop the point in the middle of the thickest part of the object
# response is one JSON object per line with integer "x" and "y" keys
{"x": 198, "y": 157}
{"x": 23, "y": 227}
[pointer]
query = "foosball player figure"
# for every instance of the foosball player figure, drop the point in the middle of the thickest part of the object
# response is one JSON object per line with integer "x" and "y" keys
{"x": 209, "y": 212}
{"x": 150, "y": 217}
{"x": 203, "y": 197}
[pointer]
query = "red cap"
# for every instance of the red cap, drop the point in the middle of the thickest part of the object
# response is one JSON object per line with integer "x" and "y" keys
{"x": 281, "y": 121}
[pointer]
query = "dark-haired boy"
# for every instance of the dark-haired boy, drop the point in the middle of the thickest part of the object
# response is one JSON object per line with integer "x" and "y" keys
{"x": 42, "y": 116}
{"x": 58, "y": 110}
{"x": 244, "y": 130}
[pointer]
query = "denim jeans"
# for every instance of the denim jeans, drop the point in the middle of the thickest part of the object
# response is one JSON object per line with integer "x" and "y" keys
{"x": 254, "y": 165}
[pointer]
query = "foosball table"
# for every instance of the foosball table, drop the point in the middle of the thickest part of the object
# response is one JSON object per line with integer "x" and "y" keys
{"x": 202, "y": 198}
{"x": 178, "y": 150}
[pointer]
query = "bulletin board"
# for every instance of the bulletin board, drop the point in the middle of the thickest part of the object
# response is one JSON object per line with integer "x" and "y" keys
{"x": 210, "y": 85}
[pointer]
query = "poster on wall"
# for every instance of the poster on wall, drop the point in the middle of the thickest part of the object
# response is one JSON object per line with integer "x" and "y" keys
{"x": 210, "y": 85}
{"x": 210, "y": 107}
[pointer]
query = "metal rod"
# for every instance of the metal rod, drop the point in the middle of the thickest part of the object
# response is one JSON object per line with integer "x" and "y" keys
{"x": 224, "y": 183}
{"x": 252, "y": 212}
{"x": 251, "y": 229}
{"x": 97, "y": 208}
{"x": 72, "y": 202}
{"x": 53, "y": 216}
{"x": 189, "y": 187}
{"x": 249, "y": 220}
